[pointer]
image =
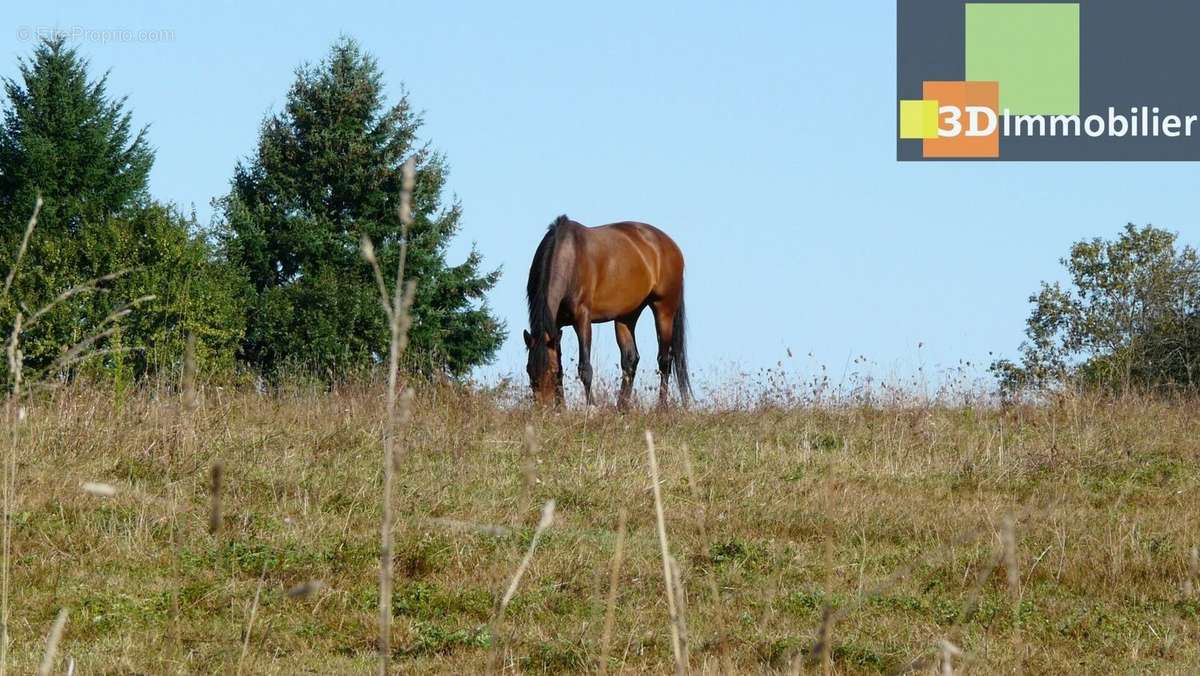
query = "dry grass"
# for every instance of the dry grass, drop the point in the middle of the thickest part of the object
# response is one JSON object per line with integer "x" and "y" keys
{"x": 892, "y": 518}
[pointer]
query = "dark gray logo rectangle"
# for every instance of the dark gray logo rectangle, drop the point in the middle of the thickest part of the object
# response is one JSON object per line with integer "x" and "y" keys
{"x": 1134, "y": 57}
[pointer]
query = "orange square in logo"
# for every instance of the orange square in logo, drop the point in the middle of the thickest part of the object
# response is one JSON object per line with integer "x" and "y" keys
{"x": 964, "y": 112}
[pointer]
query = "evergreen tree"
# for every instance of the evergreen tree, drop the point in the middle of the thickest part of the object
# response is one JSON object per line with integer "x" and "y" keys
{"x": 327, "y": 172}
{"x": 64, "y": 137}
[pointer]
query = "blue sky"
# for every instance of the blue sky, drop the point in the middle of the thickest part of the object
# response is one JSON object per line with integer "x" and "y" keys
{"x": 759, "y": 135}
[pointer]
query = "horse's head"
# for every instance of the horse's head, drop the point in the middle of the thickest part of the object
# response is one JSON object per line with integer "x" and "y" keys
{"x": 545, "y": 365}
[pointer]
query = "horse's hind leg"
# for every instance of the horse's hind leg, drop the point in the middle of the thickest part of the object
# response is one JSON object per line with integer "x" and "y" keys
{"x": 664, "y": 325}
{"x": 629, "y": 358}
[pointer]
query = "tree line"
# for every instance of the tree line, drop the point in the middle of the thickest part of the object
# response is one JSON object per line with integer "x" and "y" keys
{"x": 275, "y": 282}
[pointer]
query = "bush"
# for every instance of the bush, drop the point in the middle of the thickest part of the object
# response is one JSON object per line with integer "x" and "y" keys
{"x": 1129, "y": 319}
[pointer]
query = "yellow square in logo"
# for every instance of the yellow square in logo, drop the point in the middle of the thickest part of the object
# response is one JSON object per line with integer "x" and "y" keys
{"x": 918, "y": 119}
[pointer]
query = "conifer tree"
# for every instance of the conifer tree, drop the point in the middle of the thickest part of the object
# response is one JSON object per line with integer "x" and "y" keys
{"x": 326, "y": 172}
{"x": 65, "y": 137}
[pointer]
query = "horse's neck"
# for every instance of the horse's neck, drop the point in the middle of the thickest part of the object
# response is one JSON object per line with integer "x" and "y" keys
{"x": 561, "y": 278}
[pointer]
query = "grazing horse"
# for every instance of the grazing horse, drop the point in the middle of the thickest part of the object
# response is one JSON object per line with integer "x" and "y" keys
{"x": 582, "y": 276}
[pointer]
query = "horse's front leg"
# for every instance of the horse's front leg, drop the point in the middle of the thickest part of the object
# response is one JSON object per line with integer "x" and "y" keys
{"x": 560, "y": 397}
{"x": 583, "y": 329}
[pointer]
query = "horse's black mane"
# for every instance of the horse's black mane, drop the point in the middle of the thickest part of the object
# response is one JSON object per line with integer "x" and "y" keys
{"x": 541, "y": 319}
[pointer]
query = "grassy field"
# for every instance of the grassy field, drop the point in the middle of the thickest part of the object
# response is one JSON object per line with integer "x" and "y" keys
{"x": 1047, "y": 539}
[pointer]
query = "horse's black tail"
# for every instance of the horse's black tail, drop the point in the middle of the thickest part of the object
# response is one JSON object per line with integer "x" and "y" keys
{"x": 679, "y": 352}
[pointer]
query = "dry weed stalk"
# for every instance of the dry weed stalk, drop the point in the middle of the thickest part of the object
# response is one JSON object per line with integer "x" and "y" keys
{"x": 948, "y": 651}
{"x": 706, "y": 542}
{"x": 99, "y": 490}
{"x": 396, "y": 305}
{"x": 681, "y": 609}
{"x": 1008, "y": 536}
{"x": 183, "y": 446}
{"x": 1189, "y": 584}
{"x": 305, "y": 589}
{"x": 529, "y": 454}
{"x": 250, "y": 621}
{"x": 822, "y": 650}
{"x": 9, "y": 480}
{"x": 676, "y": 621}
{"x": 52, "y": 640}
{"x": 544, "y": 522}
{"x": 12, "y": 273}
{"x": 614, "y": 578}
{"x": 216, "y": 476}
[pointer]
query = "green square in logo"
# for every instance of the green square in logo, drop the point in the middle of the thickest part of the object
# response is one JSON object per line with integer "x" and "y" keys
{"x": 1031, "y": 49}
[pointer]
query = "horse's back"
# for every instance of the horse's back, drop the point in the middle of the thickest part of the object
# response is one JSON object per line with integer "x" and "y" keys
{"x": 628, "y": 264}
{"x": 647, "y": 240}
{"x": 647, "y": 233}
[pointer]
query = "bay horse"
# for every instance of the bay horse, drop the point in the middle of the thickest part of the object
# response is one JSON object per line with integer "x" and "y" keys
{"x": 609, "y": 273}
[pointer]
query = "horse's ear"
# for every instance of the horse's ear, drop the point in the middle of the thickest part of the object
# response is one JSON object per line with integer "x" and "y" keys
{"x": 528, "y": 340}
